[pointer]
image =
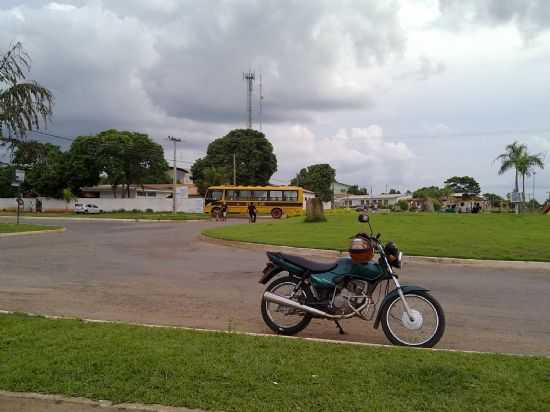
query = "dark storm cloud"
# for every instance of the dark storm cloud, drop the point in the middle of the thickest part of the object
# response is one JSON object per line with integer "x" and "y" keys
{"x": 530, "y": 16}
{"x": 153, "y": 63}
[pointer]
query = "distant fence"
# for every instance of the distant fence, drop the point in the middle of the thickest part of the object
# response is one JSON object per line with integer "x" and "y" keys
{"x": 191, "y": 205}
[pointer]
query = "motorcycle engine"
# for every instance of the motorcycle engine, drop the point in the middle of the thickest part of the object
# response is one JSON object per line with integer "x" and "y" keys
{"x": 350, "y": 292}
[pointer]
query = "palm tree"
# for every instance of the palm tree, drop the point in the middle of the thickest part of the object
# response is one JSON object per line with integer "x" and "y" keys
{"x": 510, "y": 159}
{"x": 23, "y": 104}
{"x": 526, "y": 164}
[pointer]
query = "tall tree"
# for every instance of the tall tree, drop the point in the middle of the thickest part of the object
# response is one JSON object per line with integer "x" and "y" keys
{"x": 85, "y": 163}
{"x": 510, "y": 160}
{"x": 463, "y": 184}
{"x": 356, "y": 190}
{"x": 526, "y": 164}
{"x": 23, "y": 104}
{"x": 254, "y": 158}
{"x": 7, "y": 176}
{"x": 494, "y": 199}
{"x": 46, "y": 168}
{"x": 130, "y": 158}
{"x": 317, "y": 178}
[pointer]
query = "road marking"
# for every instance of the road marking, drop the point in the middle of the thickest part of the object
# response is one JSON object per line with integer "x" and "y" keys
{"x": 32, "y": 232}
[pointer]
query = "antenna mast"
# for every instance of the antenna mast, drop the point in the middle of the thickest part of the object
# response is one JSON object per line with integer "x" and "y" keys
{"x": 249, "y": 77}
{"x": 261, "y": 102}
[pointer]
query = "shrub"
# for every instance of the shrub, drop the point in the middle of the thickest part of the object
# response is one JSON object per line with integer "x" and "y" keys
{"x": 403, "y": 205}
{"x": 136, "y": 211}
{"x": 149, "y": 210}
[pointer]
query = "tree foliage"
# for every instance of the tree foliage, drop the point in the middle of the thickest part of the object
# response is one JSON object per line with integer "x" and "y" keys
{"x": 431, "y": 192}
{"x": 518, "y": 158}
{"x": 317, "y": 178}
{"x": 254, "y": 158}
{"x": 494, "y": 199}
{"x": 463, "y": 184}
{"x": 356, "y": 190}
{"x": 46, "y": 168}
{"x": 130, "y": 158}
{"x": 23, "y": 104}
{"x": 122, "y": 158}
{"x": 7, "y": 176}
{"x": 510, "y": 159}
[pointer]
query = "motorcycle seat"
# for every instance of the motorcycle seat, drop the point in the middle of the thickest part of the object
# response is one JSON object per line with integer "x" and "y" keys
{"x": 313, "y": 267}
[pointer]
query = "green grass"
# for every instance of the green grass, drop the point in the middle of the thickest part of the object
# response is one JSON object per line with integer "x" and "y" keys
{"x": 232, "y": 372}
{"x": 118, "y": 215}
{"x": 482, "y": 236}
{"x": 13, "y": 228}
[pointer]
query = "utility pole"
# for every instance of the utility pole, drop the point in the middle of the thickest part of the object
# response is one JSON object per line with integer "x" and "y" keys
{"x": 261, "y": 102}
{"x": 175, "y": 140}
{"x": 234, "y": 171}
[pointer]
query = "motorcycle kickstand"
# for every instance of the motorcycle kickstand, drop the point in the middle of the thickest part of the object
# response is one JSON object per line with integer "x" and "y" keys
{"x": 339, "y": 328}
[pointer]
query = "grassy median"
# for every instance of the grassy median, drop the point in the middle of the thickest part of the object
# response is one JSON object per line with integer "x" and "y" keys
{"x": 232, "y": 372}
{"x": 14, "y": 228}
{"x": 482, "y": 236}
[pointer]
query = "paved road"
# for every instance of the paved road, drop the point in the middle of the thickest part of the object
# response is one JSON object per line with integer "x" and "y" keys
{"x": 160, "y": 273}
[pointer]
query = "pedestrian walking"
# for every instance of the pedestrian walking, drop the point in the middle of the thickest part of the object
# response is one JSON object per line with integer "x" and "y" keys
{"x": 252, "y": 213}
{"x": 224, "y": 212}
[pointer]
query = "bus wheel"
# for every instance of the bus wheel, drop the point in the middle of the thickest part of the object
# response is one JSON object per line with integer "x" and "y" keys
{"x": 276, "y": 213}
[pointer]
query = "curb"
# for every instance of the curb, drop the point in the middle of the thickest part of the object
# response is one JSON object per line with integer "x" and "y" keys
{"x": 32, "y": 232}
{"x": 107, "y": 219}
{"x": 492, "y": 264}
{"x": 269, "y": 335}
{"x": 59, "y": 399}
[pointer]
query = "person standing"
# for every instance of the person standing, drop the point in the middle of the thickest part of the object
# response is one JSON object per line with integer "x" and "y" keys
{"x": 224, "y": 212}
{"x": 252, "y": 212}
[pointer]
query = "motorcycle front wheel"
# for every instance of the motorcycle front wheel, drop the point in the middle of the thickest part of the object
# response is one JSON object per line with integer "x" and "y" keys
{"x": 423, "y": 330}
{"x": 283, "y": 319}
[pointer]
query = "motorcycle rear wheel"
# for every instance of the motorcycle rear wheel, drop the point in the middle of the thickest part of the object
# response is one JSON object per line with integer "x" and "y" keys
{"x": 423, "y": 332}
{"x": 297, "y": 320}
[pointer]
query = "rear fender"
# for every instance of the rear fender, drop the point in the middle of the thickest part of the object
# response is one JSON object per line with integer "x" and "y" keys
{"x": 388, "y": 298}
{"x": 270, "y": 271}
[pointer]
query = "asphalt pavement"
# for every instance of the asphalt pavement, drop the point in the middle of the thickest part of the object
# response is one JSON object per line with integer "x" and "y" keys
{"x": 161, "y": 273}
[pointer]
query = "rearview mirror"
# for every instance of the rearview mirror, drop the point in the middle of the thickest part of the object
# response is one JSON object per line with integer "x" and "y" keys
{"x": 363, "y": 218}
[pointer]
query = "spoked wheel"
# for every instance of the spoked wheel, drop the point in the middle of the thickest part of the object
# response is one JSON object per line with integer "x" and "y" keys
{"x": 425, "y": 328}
{"x": 281, "y": 318}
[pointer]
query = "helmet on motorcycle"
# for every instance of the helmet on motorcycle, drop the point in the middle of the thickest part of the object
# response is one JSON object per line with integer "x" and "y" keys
{"x": 361, "y": 250}
{"x": 392, "y": 254}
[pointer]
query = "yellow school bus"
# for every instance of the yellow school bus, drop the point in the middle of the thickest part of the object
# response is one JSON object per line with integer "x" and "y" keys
{"x": 275, "y": 200}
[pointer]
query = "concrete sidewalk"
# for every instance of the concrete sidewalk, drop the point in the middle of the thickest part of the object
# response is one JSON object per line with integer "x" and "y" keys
{"x": 35, "y": 402}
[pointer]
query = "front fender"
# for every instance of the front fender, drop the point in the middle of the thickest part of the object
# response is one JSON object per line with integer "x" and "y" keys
{"x": 406, "y": 289}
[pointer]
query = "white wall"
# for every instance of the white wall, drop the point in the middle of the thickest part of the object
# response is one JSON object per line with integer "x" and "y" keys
{"x": 194, "y": 205}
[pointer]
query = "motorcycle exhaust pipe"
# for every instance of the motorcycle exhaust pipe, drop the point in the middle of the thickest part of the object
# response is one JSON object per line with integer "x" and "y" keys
{"x": 271, "y": 297}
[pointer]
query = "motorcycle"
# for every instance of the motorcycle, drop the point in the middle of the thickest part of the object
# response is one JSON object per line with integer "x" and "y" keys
{"x": 350, "y": 287}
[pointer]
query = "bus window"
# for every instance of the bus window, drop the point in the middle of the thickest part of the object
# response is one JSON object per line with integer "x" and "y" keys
{"x": 260, "y": 194}
{"x": 276, "y": 195}
{"x": 214, "y": 195}
{"x": 245, "y": 195}
{"x": 232, "y": 195}
{"x": 290, "y": 195}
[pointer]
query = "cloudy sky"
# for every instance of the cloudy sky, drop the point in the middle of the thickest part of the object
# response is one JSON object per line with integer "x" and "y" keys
{"x": 391, "y": 93}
